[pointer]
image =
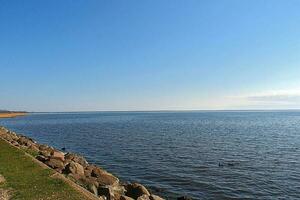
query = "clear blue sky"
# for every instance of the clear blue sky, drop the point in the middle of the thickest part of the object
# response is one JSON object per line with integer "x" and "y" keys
{"x": 149, "y": 55}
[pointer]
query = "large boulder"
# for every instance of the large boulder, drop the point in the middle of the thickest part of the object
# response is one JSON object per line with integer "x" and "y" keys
{"x": 74, "y": 168}
{"x": 136, "y": 190}
{"x": 56, "y": 164}
{"x": 103, "y": 177}
{"x": 45, "y": 150}
{"x": 76, "y": 158}
{"x": 58, "y": 155}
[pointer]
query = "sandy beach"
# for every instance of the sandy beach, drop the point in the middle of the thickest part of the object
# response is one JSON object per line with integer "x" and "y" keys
{"x": 12, "y": 114}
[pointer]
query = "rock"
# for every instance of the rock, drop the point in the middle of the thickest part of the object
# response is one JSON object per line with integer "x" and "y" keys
{"x": 7, "y": 137}
{"x": 15, "y": 143}
{"x": 136, "y": 190}
{"x": 184, "y": 198}
{"x": 88, "y": 170}
{"x": 86, "y": 181}
{"x": 87, "y": 173}
{"x": 58, "y": 155}
{"x": 96, "y": 180}
{"x": 41, "y": 158}
{"x": 55, "y": 164}
{"x": 118, "y": 190}
{"x": 76, "y": 178}
{"x": 74, "y": 168}
{"x": 143, "y": 197}
{"x": 125, "y": 198}
{"x": 46, "y": 151}
{"x": 76, "y": 158}
{"x": 111, "y": 191}
{"x": 25, "y": 141}
{"x": 43, "y": 147}
{"x": 33, "y": 147}
{"x": 103, "y": 177}
{"x": 93, "y": 189}
{"x": 155, "y": 197}
{"x": 107, "y": 192}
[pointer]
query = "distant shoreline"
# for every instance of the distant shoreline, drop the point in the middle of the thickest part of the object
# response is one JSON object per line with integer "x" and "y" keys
{"x": 12, "y": 114}
{"x": 169, "y": 111}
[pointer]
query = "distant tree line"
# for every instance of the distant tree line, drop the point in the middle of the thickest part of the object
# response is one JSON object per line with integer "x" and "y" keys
{"x": 7, "y": 111}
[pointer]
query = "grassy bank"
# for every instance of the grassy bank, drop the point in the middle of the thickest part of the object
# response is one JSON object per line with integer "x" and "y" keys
{"x": 28, "y": 180}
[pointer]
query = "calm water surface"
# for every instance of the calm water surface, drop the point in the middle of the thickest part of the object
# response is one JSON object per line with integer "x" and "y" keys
{"x": 205, "y": 155}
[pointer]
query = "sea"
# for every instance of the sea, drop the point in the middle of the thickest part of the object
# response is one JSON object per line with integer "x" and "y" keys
{"x": 200, "y": 154}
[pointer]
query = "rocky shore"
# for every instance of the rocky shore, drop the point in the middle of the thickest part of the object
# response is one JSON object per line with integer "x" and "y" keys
{"x": 93, "y": 178}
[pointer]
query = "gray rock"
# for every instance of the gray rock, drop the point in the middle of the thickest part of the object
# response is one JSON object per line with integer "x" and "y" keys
{"x": 136, "y": 190}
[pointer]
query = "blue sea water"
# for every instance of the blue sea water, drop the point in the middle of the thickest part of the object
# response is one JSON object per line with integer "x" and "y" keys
{"x": 205, "y": 155}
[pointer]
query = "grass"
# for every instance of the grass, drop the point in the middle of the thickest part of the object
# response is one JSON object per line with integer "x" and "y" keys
{"x": 31, "y": 152}
{"x": 28, "y": 180}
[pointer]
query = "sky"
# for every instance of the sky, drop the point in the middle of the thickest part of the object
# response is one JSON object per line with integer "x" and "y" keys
{"x": 94, "y": 55}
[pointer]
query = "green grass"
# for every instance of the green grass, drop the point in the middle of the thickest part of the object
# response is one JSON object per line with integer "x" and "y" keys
{"x": 31, "y": 152}
{"x": 28, "y": 180}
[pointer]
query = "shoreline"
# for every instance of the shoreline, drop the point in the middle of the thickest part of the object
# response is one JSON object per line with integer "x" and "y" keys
{"x": 12, "y": 114}
{"x": 75, "y": 167}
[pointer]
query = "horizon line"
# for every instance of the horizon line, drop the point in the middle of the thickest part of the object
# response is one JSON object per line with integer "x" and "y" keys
{"x": 168, "y": 110}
